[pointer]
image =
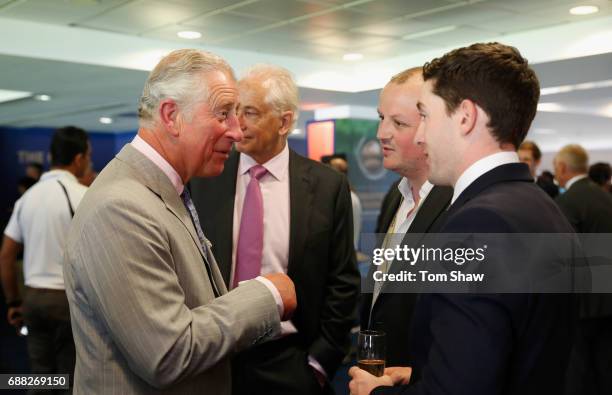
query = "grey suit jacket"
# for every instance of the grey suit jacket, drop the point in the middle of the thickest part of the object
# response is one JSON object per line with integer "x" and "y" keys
{"x": 144, "y": 315}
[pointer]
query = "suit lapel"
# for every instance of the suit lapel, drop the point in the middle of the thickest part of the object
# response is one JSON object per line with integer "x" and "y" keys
{"x": 300, "y": 201}
{"x": 435, "y": 203}
{"x": 390, "y": 208}
{"x": 517, "y": 172}
{"x": 175, "y": 205}
{"x": 154, "y": 179}
{"x": 433, "y": 207}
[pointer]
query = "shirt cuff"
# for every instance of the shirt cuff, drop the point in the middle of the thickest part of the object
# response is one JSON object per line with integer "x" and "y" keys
{"x": 316, "y": 365}
{"x": 275, "y": 293}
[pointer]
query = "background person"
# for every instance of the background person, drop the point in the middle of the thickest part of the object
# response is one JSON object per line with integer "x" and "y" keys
{"x": 339, "y": 162}
{"x": 589, "y": 209}
{"x": 600, "y": 173}
{"x": 39, "y": 225}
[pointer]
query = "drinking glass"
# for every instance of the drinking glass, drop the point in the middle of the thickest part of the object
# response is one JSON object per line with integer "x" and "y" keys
{"x": 371, "y": 352}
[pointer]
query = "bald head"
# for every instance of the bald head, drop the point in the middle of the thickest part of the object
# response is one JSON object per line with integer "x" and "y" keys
{"x": 339, "y": 164}
{"x": 414, "y": 74}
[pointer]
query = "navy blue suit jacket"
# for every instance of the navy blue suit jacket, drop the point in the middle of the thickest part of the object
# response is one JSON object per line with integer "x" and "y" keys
{"x": 488, "y": 344}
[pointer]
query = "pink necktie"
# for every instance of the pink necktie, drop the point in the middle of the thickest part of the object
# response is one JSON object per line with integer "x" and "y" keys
{"x": 250, "y": 236}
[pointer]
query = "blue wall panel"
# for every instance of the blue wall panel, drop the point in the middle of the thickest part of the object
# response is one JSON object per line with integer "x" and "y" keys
{"x": 20, "y": 146}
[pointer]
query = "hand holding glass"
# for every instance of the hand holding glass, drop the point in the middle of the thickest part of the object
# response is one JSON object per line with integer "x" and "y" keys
{"x": 371, "y": 352}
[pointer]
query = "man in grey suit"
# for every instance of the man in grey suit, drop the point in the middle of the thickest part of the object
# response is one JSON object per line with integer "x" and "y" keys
{"x": 150, "y": 312}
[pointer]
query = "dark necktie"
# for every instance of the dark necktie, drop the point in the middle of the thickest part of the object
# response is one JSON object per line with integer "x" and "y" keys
{"x": 208, "y": 257}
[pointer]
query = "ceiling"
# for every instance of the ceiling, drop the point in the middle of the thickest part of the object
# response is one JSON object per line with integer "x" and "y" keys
{"x": 92, "y": 56}
{"x": 312, "y": 29}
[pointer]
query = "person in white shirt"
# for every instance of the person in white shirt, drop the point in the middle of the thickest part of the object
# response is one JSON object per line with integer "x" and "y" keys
{"x": 38, "y": 225}
{"x": 403, "y": 210}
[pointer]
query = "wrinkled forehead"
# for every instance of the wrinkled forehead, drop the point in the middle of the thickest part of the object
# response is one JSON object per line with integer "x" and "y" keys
{"x": 220, "y": 86}
{"x": 252, "y": 92}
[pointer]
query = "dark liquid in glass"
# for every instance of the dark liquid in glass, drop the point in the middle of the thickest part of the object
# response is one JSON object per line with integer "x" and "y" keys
{"x": 375, "y": 367}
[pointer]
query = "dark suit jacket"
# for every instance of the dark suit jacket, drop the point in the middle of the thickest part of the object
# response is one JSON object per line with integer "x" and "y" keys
{"x": 392, "y": 312}
{"x": 388, "y": 207}
{"x": 488, "y": 344}
{"x": 589, "y": 209}
{"x": 322, "y": 260}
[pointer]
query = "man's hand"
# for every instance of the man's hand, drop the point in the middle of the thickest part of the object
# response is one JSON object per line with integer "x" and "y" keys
{"x": 362, "y": 382}
{"x": 286, "y": 289}
{"x": 400, "y": 375}
{"x": 15, "y": 317}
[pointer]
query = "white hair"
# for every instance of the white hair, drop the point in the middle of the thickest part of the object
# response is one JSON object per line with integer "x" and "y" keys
{"x": 178, "y": 76}
{"x": 575, "y": 157}
{"x": 281, "y": 89}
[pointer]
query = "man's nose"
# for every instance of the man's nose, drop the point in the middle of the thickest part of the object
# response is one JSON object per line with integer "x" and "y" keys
{"x": 383, "y": 133}
{"x": 419, "y": 136}
{"x": 235, "y": 130}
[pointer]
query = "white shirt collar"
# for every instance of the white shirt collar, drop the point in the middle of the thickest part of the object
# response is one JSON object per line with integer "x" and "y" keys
{"x": 480, "y": 167}
{"x": 58, "y": 173}
{"x": 573, "y": 180}
{"x": 278, "y": 166}
{"x": 145, "y": 148}
{"x": 405, "y": 189}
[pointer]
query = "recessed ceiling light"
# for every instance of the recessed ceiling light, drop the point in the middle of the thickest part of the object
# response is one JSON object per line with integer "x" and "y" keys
{"x": 553, "y": 90}
{"x": 606, "y": 111}
{"x": 296, "y": 131}
{"x": 584, "y": 10}
{"x": 42, "y": 97}
{"x": 352, "y": 57}
{"x": 550, "y": 107}
{"x": 7, "y": 95}
{"x": 106, "y": 120}
{"x": 189, "y": 35}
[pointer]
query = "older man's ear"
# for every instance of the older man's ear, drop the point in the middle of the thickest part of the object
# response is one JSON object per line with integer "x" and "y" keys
{"x": 169, "y": 116}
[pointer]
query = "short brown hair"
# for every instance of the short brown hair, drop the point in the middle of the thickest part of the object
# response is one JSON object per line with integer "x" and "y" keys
{"x": 533, "y": 147}
{"x": 494, "y": 76}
